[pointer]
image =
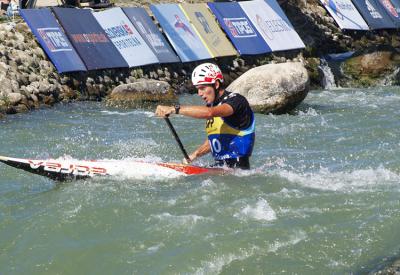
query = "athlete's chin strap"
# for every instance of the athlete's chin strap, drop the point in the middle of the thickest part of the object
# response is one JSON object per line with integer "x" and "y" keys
{"x": 216, "y": 94}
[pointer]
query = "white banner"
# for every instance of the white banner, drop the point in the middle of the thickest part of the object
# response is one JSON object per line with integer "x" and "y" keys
{"x": 272, "y": 23}
{"x": 345, "y": 14}
{"x": 125, "y": 37}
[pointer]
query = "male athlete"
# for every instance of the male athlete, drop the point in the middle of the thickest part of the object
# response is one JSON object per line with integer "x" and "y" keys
{"x": 230, "y": 122}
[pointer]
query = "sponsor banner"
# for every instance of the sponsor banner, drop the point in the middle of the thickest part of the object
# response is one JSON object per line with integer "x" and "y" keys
{"x": 89, "y": 39}
{"x": 125, "y": 37}
{"x": 151, "y": 34}
{"x": 180, "y": 33}
{"x": 374, "y": 14}
{"x": 345, "y": 14}
{"x": 238, "y": 27}
{"x": 53, "y": 40}
{"x": 392, "y": 8}
{"x": 204, "y": 22}
{"x": 273, "y": 25}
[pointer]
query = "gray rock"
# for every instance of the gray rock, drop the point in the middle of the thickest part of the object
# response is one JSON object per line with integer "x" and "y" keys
{"x": 146, "y": 86}
{"x": 14, "y": 98}
{"x": 3, "y": 70}
{"x": 22, "y": 28}
{"x": 15, "y": 86}
{"x": 141, "y": 94}
{"x": 5, "y": 85}
{"x": 160, "y": 72}
{"x": 273, "y": 88}
{"x": 64, "y": 80}
{"x": 13, "y": 65}
{"x": 21, "y": 108}
{"x": 31, "y": 90}
{"x": 107, "y": 79}
{"x": 19, "y": 38}
{"x": 44, "y": 87}
{"x": 153, "y": 75}
{"x": 89, "y": 80}
{"x": 235, "y": 64}
{"x": 39, "y": 52}
{"x": 33, "y": 77}
{"x": 34, "y": 98}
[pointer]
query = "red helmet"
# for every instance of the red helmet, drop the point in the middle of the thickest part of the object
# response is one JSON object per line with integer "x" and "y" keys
{"x": 206, "y": 73}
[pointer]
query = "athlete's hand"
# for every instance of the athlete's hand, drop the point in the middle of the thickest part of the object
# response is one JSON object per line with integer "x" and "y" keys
{"x": 164, "y": 111}
{"x": 191, "y": 159}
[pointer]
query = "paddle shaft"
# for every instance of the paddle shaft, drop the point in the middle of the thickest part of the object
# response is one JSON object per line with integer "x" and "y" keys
{"x": 178, "y": 140}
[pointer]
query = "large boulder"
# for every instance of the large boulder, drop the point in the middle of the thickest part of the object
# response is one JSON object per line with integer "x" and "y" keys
{"x": 371, "y": 68}
{"x": 273, "y": 88}
{"x": 144, "y": 93}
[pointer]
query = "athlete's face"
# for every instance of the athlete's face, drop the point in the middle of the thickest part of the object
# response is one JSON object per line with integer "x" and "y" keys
{"x": 207, "y": 93}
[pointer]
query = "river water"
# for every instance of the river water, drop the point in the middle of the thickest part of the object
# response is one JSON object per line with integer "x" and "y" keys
{"x": 322, "y": 196}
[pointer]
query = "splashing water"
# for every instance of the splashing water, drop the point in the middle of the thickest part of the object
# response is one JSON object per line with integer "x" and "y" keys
{"x": 322, "y": 195}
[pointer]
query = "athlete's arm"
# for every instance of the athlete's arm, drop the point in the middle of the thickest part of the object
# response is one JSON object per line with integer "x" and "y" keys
{"x": 205, "y": 112}
{"x": 201, "y": 151}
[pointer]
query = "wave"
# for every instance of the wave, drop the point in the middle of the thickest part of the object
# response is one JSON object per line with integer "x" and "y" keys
{"x": 136, "y": 112}
{"x": 297, "y": 237}
{"x": 310, "y": 112}
{"x": 260, "y": 211}
{"x": 181, "y": 221}
{"x": 344, "y": 181}
{"x": 217, "y": 263}
{"x": 371, "y": 98}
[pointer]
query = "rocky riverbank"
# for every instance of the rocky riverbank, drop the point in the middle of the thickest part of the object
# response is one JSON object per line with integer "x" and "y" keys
{"x": 29, "y": 80}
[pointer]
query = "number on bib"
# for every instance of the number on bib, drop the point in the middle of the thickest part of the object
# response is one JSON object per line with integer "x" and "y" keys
{"x": 216, "y": 145}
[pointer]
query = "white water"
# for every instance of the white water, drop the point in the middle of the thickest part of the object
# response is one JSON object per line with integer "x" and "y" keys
{"x": 322, "y": 196}
{"x": 328, "y": 80}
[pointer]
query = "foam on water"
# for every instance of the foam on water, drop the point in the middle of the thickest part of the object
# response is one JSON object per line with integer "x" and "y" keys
{"x": 301, "y": 212}
{"x": 290, "y": 193}
{"x": 155, "y": 248}
{"x": 366, "y": 98}
{"x": 310, "y": 112}
{"x": 292, "y": 128}
{"x": 73, "y": 212}
{"x": 336, "y": 218}
{"x": 132, "y": 168}
{"x": 295, "y": 238}
{"x": 344, "y": 181}
{"x": 181, "y": 221}
{"x": 136, "y": 112}
{"x": 261, "y": 211}
{"x": 218, "y": 262}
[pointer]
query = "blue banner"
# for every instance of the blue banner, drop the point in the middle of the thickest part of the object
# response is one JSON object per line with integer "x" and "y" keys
{"x": 345, "y": 14}
{"x": 53, "y": 40}
{"x": 239, "y": 28}
{"x": 273, "y": 25}
{"x": 151, "y": 34}
{"x": 374, "y": 14}
{"x": 180, "y": 33}
{"x": 125, "y": 37}
{"x": 392, "y": 8}
{"x": 89, "y": 39}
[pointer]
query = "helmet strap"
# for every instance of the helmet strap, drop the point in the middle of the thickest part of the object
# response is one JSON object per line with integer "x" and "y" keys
{"x": 216, "y": 91}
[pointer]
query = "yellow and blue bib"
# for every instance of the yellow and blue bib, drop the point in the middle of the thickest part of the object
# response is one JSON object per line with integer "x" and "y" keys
{"x": 228, "y": 142}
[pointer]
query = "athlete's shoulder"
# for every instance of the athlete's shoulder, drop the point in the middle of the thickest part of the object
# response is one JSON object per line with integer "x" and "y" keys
{"x": 233, "y": 96}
